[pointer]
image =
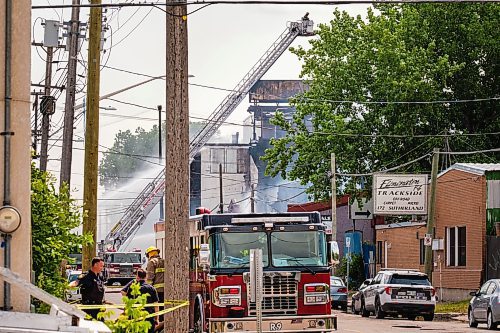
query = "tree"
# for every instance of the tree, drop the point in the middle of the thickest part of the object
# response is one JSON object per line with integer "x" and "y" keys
{"x": 53, "y": 219}
{"x": 132, "y": 152}
{"x": 356, "y": 270}
{"x": 360, "y": 70}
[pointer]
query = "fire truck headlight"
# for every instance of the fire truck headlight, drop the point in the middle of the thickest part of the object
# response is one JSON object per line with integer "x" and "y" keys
{"x": 316, "y": 293}
{"x": 226, "y": 296}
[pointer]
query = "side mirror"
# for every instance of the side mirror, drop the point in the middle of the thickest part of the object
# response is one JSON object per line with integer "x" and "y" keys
{"x": 474, "y": 293}
{"x": 334, "y": 252}
{"x": 204, "y": 256}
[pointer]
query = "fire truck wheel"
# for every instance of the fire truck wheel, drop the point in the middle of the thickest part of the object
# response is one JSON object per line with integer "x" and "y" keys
{"x": 198, "y": 324}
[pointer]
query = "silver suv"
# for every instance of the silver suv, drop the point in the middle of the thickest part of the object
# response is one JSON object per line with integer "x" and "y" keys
{"x": 399, "y": 292}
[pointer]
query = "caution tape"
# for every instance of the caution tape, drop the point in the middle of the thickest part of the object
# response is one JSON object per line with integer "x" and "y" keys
{"x": 162, "y": 312}
{"x": 120, "y": 306}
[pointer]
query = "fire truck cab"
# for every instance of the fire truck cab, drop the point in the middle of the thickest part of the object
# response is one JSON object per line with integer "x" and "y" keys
{"x": 121, "y": 266}
{"x": 296, "y": 274}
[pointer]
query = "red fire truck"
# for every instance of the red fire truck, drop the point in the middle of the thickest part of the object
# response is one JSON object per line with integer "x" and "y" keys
{"x": 296, "y": 275}
{"x": 121, "y": 266}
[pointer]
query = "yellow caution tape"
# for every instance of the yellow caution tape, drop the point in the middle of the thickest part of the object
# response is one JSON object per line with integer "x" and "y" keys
{"x": 120, "y": 306}
{"x": 162, "y": 312}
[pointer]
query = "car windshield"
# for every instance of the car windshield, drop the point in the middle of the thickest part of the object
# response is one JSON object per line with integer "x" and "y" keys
{"x": 302, "y": 248}
{"x": 232, "y": 249}
{"x": 132, "y": 257}
{"x": 409, "y": 279}
{"x": 336, "y": 282}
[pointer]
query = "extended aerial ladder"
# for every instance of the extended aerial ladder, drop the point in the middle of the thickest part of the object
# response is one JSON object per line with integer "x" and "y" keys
{"x": 137, "y": 212}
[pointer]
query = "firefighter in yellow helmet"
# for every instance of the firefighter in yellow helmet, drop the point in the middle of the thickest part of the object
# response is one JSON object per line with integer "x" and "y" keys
{"x": 155, "y": 271}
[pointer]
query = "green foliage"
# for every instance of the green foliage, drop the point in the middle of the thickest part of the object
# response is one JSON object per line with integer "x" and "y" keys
{"x": 453, "y": 307}
{"x": 408, "y": 52}
{"x": 356, "y": 271}
{"x": 132, "y": 152}
{"x": 53, "y": 217}
{"x": 132, "y": 318}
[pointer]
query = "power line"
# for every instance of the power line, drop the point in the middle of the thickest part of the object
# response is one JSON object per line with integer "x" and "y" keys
{"x": 264, "y": 2}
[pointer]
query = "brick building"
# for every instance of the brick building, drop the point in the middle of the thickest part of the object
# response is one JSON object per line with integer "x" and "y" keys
{"x": 468, "y": 203}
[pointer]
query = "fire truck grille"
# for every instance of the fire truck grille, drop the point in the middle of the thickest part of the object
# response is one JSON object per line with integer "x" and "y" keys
{"x": 279, "y": 295}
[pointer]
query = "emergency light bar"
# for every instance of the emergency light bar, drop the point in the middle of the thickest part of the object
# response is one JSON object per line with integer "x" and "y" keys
{"x": 270, "y": 219}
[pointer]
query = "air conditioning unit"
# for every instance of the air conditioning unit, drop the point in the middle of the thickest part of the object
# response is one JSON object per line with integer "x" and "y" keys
{"x": 438, "y": 244}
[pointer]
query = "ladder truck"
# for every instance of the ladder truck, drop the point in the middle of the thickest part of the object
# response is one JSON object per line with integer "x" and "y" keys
{"x": 137, "y": 212}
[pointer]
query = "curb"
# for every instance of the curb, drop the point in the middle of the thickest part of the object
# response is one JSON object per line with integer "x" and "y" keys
{"x": 451, "y": 317}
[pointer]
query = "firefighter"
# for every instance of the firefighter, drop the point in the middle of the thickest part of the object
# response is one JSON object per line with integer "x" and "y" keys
{"x": 155, "y": 271}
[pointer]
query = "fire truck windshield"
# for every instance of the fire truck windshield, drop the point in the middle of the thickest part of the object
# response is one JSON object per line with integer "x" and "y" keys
{"x": 303, "y": 248}
{"x": 232, "y": 249}
{"x": 288, "y": 248}
{"x": 124, "y": 257}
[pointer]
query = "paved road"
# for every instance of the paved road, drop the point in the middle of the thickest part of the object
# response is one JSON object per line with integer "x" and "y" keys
{"x": 350, "y": 323}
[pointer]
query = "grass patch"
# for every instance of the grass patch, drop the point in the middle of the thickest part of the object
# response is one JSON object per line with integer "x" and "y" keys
{"x": 453, "y": 307}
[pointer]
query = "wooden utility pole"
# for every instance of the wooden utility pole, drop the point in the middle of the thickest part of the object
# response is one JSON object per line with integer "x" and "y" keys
{"x": 47, "y": 110}
{"x": 92, "y": 134}
{"x": 69, "y": 106}
{"x": 431, "y": 217}
{"x": 177, "y": 167}
{"x": 334, "y": 198}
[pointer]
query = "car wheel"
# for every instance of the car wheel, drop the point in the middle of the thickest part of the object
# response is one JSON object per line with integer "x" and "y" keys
{"x": 472, "y": 321}
{"x": 490, "y": 324}
{"x": 344, "y": 308}
{"x": 364, "y": 313}
{"x": 429, "y": 317}
{"x": 379, "y": 314}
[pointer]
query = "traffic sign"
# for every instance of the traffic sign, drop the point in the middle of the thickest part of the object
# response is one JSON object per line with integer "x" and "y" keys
{"x": 348, "y": 241}
{"x": 361, "y": 213}
{"x": 428, "y": 240}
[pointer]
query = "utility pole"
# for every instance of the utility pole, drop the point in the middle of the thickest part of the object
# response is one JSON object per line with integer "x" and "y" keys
{"x": 334, "y": 198}
{"x": 252, "y": 199}
{"x": 47, "y": 109}
{"x": 69, "y": 106}
{"x": 431, "y": 218}
{"x": 221, "y": 194}
{"x": 162, "y": 211}
{"x": 92, "y": 134}
{"x": 35, "y": 132}
{"x": 177, "y": 166}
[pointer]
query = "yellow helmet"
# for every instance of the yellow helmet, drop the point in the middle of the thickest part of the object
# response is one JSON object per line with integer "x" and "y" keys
{"x": 150, "y": 249}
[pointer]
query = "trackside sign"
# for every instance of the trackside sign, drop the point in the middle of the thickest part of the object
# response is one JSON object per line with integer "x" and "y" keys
{"x": 400, "y": 194}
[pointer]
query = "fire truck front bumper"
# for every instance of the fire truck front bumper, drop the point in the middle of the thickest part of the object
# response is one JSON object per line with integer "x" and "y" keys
{"x": 314, "y": 323}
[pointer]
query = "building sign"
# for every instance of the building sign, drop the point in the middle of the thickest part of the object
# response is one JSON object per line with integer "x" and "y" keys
{"x": 400, "y": 194}
{"x": 327, "y": 221}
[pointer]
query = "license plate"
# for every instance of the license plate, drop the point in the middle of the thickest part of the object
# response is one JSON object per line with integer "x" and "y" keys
{"x": 411, "y": 292}
{"x": 275, "y": 326}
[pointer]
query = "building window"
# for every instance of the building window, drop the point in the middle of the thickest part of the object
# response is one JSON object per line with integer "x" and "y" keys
{"x": 422, "y": 251}
{"x": 456, "y": 253}
{"x": 216, "y": 158}
{"x": 380, "y": 252}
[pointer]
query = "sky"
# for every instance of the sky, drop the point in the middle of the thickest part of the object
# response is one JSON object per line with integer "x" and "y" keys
{"x": 225, "y": 41}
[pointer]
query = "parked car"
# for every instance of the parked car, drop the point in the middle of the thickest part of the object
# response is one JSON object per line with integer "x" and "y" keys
{"x": 73, "y": 294}
{"x": 484, "y": 307}
{"x": 403, "y": 292}
{"x": 338, "y": 293}
{"x": 356, "y": 298}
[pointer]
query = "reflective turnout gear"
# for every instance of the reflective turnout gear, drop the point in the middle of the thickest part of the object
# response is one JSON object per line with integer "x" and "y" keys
{"x": 155, "y": 272}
